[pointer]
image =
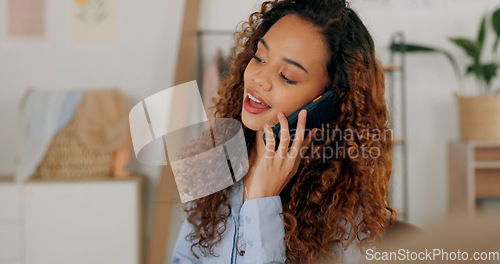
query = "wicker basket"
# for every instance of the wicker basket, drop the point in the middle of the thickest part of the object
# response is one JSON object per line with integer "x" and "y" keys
{"x": 68, "y": 158}
{"x": 479, "y": 117}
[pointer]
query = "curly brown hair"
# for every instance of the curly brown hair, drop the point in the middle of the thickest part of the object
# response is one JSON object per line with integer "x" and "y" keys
{"x": 331, "y": 200}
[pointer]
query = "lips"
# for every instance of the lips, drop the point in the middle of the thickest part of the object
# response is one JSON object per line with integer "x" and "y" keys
{"x": 257, "y": 97}
{"x": 254, "y": 104}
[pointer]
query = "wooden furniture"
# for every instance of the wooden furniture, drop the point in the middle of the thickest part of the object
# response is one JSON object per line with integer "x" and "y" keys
{"x": 395, "y": 76}
{"x": 84, "y": 221}
{"x": 164, "y": 226}
{"x": 474, "y": 172}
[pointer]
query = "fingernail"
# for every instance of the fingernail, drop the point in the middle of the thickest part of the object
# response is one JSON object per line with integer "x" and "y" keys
{"x": 281, "y": 114}
{"x": 303, "y": 113}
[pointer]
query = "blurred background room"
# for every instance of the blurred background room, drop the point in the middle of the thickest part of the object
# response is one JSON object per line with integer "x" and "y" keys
{"x": 71, "y": 188}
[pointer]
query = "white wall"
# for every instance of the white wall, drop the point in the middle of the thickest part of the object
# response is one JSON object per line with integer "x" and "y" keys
{"x": 143, "y": 59}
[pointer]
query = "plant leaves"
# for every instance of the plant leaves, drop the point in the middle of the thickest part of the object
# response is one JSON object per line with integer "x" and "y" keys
{"x": 412, "y": 47}
{"x": 489, "y": 71}
{"x": 481, "y": 35}
{"x": 398, "y": 47}
{"x": 476, "y": 70}
{"x": 473, "y": 68}
{"x": 470, "y": 47}
{"x": 495, "y": 22}
{"x": 484, "y": 72}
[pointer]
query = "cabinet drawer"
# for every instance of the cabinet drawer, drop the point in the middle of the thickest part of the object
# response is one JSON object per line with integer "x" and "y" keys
{"x": 10, "y": 242}
{"x": 10, "y": 202}
{"x": 81, "y": 222}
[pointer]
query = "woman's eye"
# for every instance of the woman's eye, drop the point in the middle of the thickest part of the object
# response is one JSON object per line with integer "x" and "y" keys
{"x": 256, "y": 58}
{"x": 286, "y": 79}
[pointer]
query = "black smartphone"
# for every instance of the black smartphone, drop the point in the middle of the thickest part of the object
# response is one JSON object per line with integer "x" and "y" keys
{"x": 323, "y": 109}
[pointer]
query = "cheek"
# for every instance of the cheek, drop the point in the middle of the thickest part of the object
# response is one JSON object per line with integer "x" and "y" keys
{"x": 291, "y": 102}
{"x": 289, "y": 105}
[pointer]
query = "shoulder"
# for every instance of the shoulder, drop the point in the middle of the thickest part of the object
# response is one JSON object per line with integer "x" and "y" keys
{"x": 353, "y": 252}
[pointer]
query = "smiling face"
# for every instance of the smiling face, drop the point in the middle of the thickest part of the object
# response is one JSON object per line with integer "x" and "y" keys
{"x": 288, "y": 71}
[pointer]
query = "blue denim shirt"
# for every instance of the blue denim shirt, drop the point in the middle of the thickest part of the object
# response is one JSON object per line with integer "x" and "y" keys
{"x": 254, "y": 234}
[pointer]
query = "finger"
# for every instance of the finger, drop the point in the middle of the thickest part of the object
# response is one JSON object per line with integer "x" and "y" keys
{"x": 299, "y": 134}
{"x": 284, "y": 136}
{"x": 270, "y": 142}
{"x": 307, "y": 142}
{"x": 303, "y": 149}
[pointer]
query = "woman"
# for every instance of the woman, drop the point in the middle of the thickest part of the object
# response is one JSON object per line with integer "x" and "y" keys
{"x": 315, "y": 199}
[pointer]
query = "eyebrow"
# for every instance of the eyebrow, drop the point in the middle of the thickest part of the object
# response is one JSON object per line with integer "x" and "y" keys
{"x": 264, "y": 43}
{"x": 287, "y": 60}
{"x": 295, "y": 63}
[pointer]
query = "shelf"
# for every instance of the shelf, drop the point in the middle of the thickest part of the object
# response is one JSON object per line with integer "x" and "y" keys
{"x": 487, "y": 183}
{"x": 398, "y": 141}
{"x": 487, "y": 153}
{"x": 395, "y": 75}
{"x": 487, "y": 164}
{"x": 6, "y": 178}
{"x": 484, "y": 143}
{"x": 390, "y": 68}
{"x": 401, "y": 214}
{"x": 474, "y": 172}
{"x": 128, "y": 178}
{"x": 398, "y": 213}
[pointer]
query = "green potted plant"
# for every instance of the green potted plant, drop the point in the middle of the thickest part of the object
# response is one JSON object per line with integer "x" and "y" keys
{"x": 479, "y": 114}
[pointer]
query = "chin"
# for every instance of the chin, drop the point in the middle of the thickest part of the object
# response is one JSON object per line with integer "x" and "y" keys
{"x": 251, "y": 121}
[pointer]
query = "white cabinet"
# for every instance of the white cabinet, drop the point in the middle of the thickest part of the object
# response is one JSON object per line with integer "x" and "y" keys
{"x": 78, "y": 222}
{"x": 10, "y": 223}
{"x": 10, "y": 202}
{"x": 10, "y": 242}
{"x": 88, "y": 222}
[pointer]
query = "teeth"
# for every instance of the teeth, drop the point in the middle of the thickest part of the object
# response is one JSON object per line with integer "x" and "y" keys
{"x": 254, "y": 99}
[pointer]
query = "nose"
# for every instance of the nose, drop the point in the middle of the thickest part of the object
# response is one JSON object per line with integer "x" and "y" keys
{"x": 261, "y": 79}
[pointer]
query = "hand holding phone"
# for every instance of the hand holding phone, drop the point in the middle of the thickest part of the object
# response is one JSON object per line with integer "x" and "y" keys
{"x": 323, "y": 109}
